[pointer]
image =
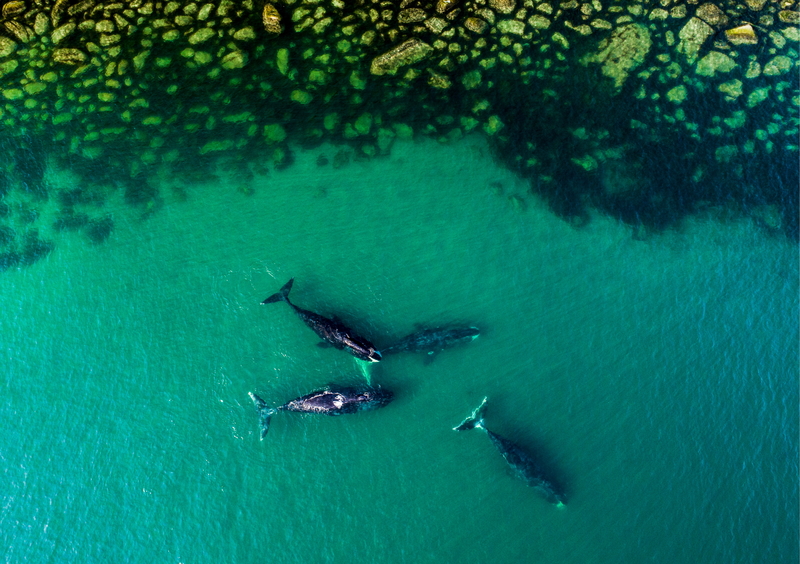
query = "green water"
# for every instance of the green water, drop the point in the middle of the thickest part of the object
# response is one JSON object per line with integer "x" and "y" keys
{"x": 658, "y": 378}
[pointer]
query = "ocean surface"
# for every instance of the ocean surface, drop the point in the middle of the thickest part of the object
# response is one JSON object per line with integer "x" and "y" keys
{"x": 655, "y": 376}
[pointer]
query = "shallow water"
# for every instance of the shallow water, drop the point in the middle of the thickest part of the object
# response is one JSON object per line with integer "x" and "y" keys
{"x": 657, "y": 378}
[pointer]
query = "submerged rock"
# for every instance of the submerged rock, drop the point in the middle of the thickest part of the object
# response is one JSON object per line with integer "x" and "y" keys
{"x": 742, "y": 35}
{"x": 621, "y": 53}
{"x": 271, "y": 19}
{"x": 692, "y": 36}
{"x": 407, "y": 53}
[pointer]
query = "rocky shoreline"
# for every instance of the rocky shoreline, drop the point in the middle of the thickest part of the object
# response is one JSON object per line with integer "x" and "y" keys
{"x": 587, "y": 99}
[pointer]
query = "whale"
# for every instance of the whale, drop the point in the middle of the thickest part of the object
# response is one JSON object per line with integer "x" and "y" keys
{"x": 432, "y": 341}
{"x": 523, "y": 464}
{"x": 334, "y": 400}
{"x": 332, "y": 331}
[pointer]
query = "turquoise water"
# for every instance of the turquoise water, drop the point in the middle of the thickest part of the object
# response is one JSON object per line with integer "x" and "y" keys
{"x": 656, "y": 377}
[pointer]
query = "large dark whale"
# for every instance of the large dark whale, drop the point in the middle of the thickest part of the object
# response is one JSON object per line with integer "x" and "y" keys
{"x": 524, "y": 465}
{"x": 431, "y": 341}
{"x": 331, "y": 401}
{"x": 331, "y": 331}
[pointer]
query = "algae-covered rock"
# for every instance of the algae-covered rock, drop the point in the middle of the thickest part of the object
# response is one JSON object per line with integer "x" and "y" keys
{"x": 282, "y": 60}
{"x": 331, "y": 121}
{"x": 622, "y": 52}
{"x": 404, "y": 132}
{"x": 234, "y": 60}
{"x": 61, "y": 33}
{"x": 514, "y": 27}
{"x": 493, "y": 125}
{"x": 13, "y": 94}
{"x": 742, "y": 35}
{"x": 692, "y": 36}
{"x": 586, "y": 162}
{"x": 503, "y": 6}
{"x": 778, "y": 65}
{"x": 7, "y": 67}
{"x": 274, "y": 133}
{"x": 7, "y": 46}
{"x": 677, "y": 95}
{"x": 245, "y": 34}
{"x": 201, "y": 36}
{"x": 301, "y": 97}
{"x": 757, "y": 96}
{"x": 539, "y": 22}
{"x": 363, "y": 124}
{"x": 472, "y": 79}
{"x": 385, "y": 139}
{"x": 69, "y": 56}
{"x": 407, "y": 53}
{"x": 216, "y": 146}
{"x": 356, "y": 81}
{"x": 713, "y": 63}
{"x": 271, "y": 19}
{"x": 411, "y": 15}
{"x": 732, "y": 88}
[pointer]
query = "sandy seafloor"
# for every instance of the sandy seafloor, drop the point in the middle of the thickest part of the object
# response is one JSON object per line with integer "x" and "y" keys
{"x": 658, "y": 378}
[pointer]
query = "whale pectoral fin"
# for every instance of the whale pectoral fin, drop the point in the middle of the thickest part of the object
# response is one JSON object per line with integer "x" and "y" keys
{"x": 324, "y": 345}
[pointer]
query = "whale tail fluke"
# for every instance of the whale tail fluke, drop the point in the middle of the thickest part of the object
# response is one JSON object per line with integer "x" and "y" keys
{"x": 282, "y": 296}
{"x": 265, "y": 413}
{"x": 474, "y": 420}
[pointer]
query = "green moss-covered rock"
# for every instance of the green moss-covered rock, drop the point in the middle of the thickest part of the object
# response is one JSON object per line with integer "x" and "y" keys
{"x": 282, "y": 60}
{"x": 301, "y": 97}
{"x": 216, "y": 146}
{"x": 63, "y": 117}
{"x": 13, "y": 93}
{"x": 7, "y": 67}
{"x": 715, "y": 62}
{"x": 778, "y": 65}
{"x": 34, "y": 88}
{"x": 234, "y": 60}
{"x": 493, "y": 125}
{"x": 274, "y": 133}
{"x": 678, "y": 94}
{"x": 622, "y": 52}
{"x": 331, "y": 121}
{"x": 472, "y": 79}
{"x": 363, "y": 124}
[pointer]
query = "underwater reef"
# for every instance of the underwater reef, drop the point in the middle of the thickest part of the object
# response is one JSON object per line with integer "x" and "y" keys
{"x": 645, "y": 110}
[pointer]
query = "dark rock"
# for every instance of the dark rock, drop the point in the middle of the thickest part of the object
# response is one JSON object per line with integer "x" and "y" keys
{"x": 99, "y": 229}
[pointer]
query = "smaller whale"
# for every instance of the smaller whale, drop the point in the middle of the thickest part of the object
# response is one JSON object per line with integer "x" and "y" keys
{"x": 524, "y": 465}
{"x": 330, "y": 401}
{"x": 332, "y": 331}
{"x": 431, "y": 341}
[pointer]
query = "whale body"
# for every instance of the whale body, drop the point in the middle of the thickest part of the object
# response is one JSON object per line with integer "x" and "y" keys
{"x": 432, "y": 341}
{"x": 523, "y": 464}
{"x": 330, "y": 401}
{"x": 332, "y": 331}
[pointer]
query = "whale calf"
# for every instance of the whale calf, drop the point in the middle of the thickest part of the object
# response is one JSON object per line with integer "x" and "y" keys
{"x": 331, "y": 331}
{"x": 524, "y": 465}
{"x": 431, "y": 341}
{"x": 330, "y": 401}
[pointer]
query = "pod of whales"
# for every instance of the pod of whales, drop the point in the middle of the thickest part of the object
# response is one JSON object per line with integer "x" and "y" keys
{"x": 332, "y": 331}
{"x": 338, "y": 400}
{"x": 432, "y": 341}
{"x": 330, "y": 401}
{"x": 524, "y": 465}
